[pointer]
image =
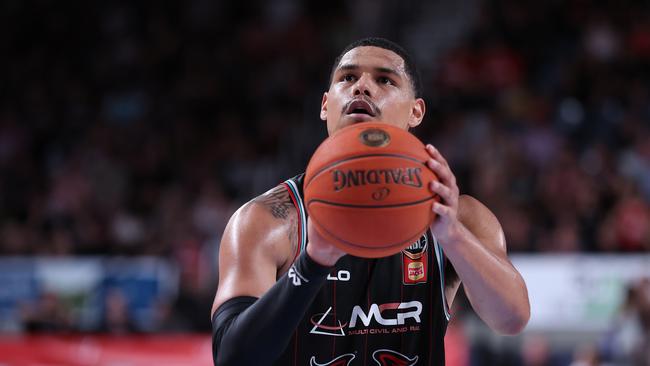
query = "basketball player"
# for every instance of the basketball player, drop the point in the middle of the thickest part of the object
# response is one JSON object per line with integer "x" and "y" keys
{"x": 288, "y": 297}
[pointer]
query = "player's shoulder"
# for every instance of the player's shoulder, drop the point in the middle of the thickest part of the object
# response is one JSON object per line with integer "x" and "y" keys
{"x": 470, "y": 207}
{"x": 480, "y": 220}
{"x": 271, "y": 208}
{"x": 267, "y": 222}
{"x": 474, "y": 214}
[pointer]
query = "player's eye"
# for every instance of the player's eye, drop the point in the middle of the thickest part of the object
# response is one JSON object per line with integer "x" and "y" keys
{"x": 385, "y": 80}
{"x": 348, "y": 78}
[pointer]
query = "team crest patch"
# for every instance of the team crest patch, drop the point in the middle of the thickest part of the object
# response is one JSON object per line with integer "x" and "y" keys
{"x": 415, "y": 262}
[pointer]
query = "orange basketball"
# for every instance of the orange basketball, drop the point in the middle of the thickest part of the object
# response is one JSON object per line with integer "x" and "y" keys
{"x": 367, "y": 189}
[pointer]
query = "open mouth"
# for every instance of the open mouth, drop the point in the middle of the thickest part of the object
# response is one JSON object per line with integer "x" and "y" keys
{"x": 361, "y": 107}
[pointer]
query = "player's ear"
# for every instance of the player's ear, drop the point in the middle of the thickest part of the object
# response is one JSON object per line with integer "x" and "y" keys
{"x": 417, "y": 112}
{"x": 323, "y": 107}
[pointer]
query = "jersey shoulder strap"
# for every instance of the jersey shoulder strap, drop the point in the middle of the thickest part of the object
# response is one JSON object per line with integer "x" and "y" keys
{"x": 441, "y": 263}
{"x": 294, "y": 187}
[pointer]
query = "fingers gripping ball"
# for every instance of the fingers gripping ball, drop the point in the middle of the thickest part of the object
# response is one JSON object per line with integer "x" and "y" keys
{"x": 367, "y": 189}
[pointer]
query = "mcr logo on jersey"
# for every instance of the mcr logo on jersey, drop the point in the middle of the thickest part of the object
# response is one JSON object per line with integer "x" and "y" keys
{"x": 387, "y": 315}
{"x": 387, "y": 357}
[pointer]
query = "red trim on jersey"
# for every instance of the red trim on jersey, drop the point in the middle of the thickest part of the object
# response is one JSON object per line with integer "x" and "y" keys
{"x": 334, "y": 307}
{"x": 365, "y": 346}
{"x": 444, "y": 286}
{"x": 401, "y": 298}
{"x": 295, "y": 204}
{"x": 431, "y": 317}
{"x": 295, "y": 347}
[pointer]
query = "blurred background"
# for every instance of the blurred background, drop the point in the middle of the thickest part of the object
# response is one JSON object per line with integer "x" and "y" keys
{"x": 130, "y": 131}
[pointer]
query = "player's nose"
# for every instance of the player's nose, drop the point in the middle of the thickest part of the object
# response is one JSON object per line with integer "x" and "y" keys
{"x": 364, "y": 86}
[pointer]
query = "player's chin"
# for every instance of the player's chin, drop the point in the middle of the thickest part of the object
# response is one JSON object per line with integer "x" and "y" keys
{"x": 354, "y": 118}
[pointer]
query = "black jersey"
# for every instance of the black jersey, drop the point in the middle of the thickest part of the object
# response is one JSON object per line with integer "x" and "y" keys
{"x": 385, "y": 311}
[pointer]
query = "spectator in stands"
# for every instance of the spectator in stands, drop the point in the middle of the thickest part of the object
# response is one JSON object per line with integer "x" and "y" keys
{"x": 628, "y": 341}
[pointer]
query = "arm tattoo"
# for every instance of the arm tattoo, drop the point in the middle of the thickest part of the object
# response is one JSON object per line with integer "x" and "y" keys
{"x": 277, "y": 201}
{"x": 280, "y": 205}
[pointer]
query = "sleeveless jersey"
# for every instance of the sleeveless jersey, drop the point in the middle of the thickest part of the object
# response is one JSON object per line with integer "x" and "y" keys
{"x": 387, "y": 311}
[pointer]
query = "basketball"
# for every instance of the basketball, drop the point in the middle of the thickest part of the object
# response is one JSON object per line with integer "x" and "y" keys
{"x": 367, "y": 189}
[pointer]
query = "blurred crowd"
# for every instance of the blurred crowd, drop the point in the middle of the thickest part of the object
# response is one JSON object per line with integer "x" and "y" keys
{"x": 544, "y": 111}
{"x": 625, "y": 343}
{"x": 137, "y": 128}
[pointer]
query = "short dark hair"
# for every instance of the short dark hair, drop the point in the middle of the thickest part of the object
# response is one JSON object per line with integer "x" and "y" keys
{"x": 409, "y": 65}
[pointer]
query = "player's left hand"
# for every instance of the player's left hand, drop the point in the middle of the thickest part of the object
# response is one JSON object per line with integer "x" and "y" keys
{"x": 446, "y": 224}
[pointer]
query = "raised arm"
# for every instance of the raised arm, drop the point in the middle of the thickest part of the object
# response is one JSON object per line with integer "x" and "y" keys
{"x": 256, "y": 246}
{"x": 473, "y": 240}
{"x": 262, "y": 294}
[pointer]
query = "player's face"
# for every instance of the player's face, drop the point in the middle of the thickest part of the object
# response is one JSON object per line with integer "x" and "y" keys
{"x": 371, "y": 84}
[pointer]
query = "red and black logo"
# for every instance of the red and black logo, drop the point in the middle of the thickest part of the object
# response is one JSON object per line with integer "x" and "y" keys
{"x": 387, "y": 357}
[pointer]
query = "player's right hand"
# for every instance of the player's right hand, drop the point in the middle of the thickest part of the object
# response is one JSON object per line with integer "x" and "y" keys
{"x": 320, "y": 250}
